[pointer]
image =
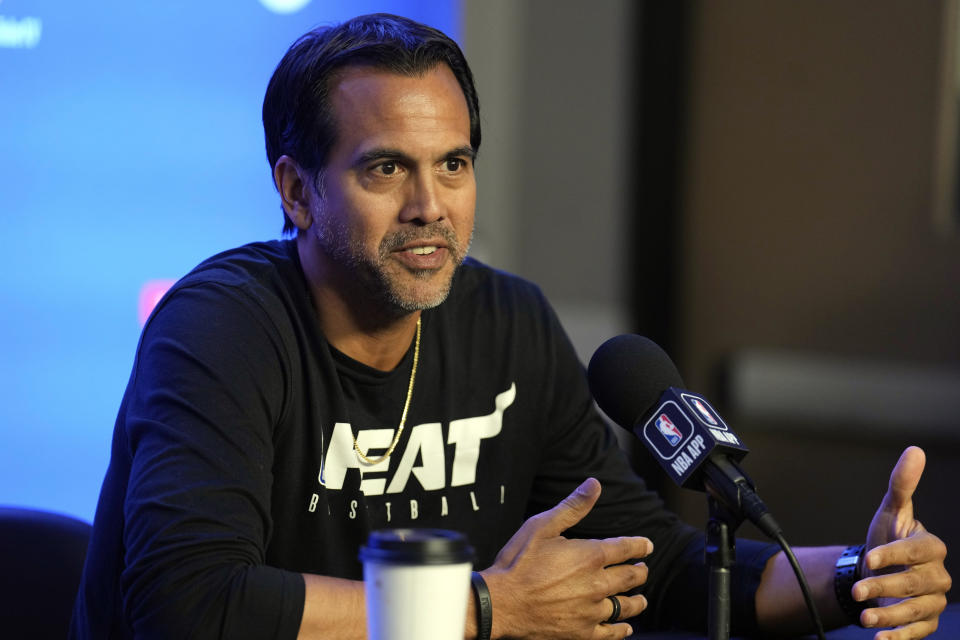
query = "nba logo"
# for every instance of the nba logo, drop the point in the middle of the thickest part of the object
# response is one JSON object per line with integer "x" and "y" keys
{"x": 704, "y": 412}
{"x": 668, "y": 430}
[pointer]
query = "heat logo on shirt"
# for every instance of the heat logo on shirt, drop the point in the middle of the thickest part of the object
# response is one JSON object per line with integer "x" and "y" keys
{"x": 669, "y": 430}
{"x": 422, "y": 460}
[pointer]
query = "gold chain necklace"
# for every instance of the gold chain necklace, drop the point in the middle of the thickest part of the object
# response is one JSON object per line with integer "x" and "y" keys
{"x": 406, "y": 405}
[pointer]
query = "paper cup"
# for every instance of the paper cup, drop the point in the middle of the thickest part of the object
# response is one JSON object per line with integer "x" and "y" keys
{"x": 417, "y": 583}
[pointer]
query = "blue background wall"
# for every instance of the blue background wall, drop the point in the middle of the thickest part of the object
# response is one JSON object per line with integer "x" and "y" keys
{"x": 131, "y": 149}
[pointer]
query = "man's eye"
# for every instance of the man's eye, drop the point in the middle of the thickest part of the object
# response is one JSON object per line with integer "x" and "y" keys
{"x": 454, "y": 164}
{"x": 387, "y": 168}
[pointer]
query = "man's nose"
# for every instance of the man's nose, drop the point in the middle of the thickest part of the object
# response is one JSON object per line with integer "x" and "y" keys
{"x": 425, "y": 201}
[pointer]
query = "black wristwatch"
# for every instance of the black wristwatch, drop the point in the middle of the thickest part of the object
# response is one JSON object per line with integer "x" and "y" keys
{"x": 849, "y": 570}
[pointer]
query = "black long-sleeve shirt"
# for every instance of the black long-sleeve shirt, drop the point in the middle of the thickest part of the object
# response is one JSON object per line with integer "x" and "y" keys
{"x": 233, "y": 470}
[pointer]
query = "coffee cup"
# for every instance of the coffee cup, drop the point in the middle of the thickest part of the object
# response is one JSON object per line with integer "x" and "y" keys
{"x": 417, "y": 584}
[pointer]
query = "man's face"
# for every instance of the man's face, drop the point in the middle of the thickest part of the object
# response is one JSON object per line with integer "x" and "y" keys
{"x": 395, "y": 213}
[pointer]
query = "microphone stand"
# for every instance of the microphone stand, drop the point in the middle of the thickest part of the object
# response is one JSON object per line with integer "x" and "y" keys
{"x": 720, "y": 555}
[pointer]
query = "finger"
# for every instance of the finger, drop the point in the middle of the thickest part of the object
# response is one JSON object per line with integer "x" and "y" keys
{"x": 624, "y": 577}
{"x": 612, "y": 631}
{"x": 932, "y": 580}
{"x": 617, "y": 550}
{"x": 902, "y": 584}
{"x": 570, "y": 511}
{"x": 905, "y": 478}
{"x": 630, "y": 607}
{"x": 912, "y": 631}
{"x": 907, "y": 612}
{"x": 920, "y": 548}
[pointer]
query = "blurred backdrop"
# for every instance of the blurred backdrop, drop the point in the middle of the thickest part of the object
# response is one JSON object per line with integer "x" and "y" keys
{"x": 766, "y": 188}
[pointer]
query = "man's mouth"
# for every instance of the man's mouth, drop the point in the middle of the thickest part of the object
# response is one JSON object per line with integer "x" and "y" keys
{"x": 423, "y": 257}
{"x": 423, "y": 250}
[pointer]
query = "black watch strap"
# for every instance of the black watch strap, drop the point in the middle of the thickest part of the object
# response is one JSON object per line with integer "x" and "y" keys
{"x": 484, "y": 606}
{"x": 848, "y": 572}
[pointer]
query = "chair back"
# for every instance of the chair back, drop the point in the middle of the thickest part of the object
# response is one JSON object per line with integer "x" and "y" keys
{"x": 41, "y": 561}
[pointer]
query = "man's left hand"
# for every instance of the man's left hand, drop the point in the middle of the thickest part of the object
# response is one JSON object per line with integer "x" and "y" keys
{"x": 904, "y": 563}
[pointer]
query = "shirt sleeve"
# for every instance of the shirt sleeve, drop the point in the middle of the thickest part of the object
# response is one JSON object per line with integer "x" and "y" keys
{"x": 205, "y": 398}
{"x": 683, "y": 603}
{"x": 580, "y": 445}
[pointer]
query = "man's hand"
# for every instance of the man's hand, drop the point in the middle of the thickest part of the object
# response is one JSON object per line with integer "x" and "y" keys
{"x": 904, "y": 562}
{"x": 545, "y": 586}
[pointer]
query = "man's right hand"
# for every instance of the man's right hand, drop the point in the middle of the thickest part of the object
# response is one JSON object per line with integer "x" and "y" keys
{"x": 543, "y": 585}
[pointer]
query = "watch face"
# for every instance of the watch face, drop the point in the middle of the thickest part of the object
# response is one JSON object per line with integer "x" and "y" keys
{"x": 846, "y": 561}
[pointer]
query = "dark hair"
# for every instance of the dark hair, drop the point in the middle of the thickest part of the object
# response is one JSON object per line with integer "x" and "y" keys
{"x": 297, "y": 119}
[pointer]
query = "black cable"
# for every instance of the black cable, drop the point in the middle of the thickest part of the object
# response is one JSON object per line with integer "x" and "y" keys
{"x": 802, "y": 579}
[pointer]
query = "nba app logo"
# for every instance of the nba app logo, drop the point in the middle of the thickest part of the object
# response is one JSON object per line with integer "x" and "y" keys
{"x": 704, "y": 412}
{"x": 669, "y": 430}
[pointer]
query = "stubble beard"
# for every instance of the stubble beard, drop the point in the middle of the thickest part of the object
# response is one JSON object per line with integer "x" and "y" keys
{"x": 383, "y": 278}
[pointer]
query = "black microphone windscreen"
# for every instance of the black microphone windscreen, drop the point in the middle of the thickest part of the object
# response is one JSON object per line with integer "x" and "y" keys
{"x": 627, "y": 375}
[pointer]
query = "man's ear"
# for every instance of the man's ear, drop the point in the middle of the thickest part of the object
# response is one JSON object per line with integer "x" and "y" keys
{"x": 295, "y": 192}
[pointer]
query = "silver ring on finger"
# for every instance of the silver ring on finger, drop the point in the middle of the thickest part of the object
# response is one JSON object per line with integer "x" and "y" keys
{"x": 615, "y": 616}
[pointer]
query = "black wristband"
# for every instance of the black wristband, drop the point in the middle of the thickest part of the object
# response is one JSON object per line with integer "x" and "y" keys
{"x": 484, "y": 606}
{"x": 848, "y": 572}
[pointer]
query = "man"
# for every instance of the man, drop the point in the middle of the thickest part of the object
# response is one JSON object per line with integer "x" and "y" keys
{"x": 289, "y": 397}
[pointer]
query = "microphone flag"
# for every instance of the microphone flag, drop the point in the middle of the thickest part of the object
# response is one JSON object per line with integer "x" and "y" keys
{"x": 683, "y": 431}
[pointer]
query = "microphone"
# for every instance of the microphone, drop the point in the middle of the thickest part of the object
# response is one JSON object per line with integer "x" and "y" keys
{"x": 636, "y": 383}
